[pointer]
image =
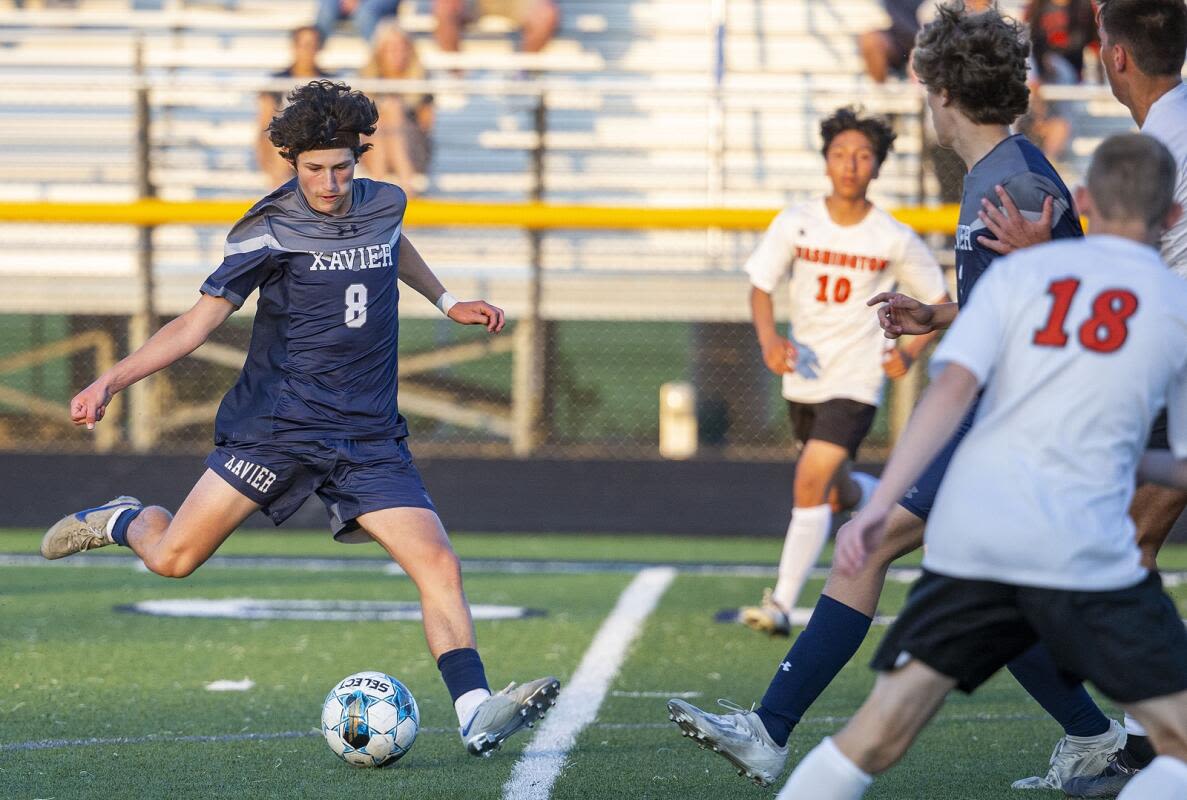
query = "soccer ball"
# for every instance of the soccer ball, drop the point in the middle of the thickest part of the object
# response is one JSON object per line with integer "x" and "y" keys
{"x": 370, "y": 719}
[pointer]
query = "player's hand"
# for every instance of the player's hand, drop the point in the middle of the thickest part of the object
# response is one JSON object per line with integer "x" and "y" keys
{"x": 900, "y": 315}
{"x": 478, "y": 312}
{"x": 856, "y": 539}
{"x": 896, "y": 363}
{"x": 89, "y": 405}
{"x": 779, "y": 355}
{"x": 1014, "y": 231}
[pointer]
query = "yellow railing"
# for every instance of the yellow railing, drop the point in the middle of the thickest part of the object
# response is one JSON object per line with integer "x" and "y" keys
{"x": 430, "y": 213}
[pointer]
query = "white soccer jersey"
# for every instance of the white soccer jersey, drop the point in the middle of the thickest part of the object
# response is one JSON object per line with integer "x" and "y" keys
{"x": 1167, "y": 122}
{"x": 834, "y": 269}
{"x": 1079, "y": 344}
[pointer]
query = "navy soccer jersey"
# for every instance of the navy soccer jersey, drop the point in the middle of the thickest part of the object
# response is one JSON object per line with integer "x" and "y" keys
{"x": 322, "y": 359}
{"x": 1019, "y": 166}
{"x": 1026, "y": 174}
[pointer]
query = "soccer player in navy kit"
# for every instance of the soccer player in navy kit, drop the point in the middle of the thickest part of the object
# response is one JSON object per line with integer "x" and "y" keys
{"x": 314, "y": 409}
{"x": 973, "y": 102}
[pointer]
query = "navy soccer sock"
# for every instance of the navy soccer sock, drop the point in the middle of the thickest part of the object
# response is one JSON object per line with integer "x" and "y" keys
{"x": 119, "y": 531}
{"x": 462, "y": 671}
{"x": 1065, "y": 700}
{"x": 832, "y": 636}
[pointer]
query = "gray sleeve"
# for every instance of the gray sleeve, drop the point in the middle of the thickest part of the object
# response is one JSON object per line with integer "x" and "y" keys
{"x": 1028, "y": 190}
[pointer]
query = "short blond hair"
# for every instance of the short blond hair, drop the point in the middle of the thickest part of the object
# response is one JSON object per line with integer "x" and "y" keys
{"x": 1132, "y": 177}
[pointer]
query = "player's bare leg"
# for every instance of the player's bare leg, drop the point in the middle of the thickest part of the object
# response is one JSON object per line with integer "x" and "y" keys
{"x": 416, "y": 540}
{"x": 173, "y": 546}
{"x": 169, "y": 546}
{"x": 902, "y": 703}
{"x": 756, "y": 742}
{"x": 1165, "y": 720}
{"x": 811, "y": 520}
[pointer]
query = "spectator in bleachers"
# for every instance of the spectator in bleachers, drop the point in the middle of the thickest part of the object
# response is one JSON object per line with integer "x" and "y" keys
{"x": 402, "y": 144}
{"x": 538, "y": 20}
{"x": 366, "y": 15}
{"x": 306, "y": 42}
{"x": 1060, "y": 32}
{"x": 886, "y": 51}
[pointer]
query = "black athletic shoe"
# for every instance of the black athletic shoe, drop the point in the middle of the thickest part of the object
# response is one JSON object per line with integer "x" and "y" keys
{"x": 1109, "y": 782}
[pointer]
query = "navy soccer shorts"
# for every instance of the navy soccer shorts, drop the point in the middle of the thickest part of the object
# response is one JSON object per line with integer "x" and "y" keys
{"x": 352, "y": 478}
{"x": 922, "y": 496}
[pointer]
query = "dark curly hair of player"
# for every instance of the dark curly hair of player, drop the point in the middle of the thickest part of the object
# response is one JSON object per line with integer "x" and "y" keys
{"x": 876, "y": 129}
{"x": 980, "y": 59}
{"x": 323, "y": 115}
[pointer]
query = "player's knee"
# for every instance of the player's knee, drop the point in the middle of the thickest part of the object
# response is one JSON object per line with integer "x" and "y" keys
{"x": 443, "y": 566}
{"x": 170, "y": 565}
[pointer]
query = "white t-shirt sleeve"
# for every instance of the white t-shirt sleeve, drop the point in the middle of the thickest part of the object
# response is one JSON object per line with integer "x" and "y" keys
{"x": 918, "y": 272}
{"x": 771, "y": 260}
{"x": 975, "y": 339}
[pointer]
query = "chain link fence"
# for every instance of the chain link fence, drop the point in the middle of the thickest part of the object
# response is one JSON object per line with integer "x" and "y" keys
{"x": 615, "y": 317}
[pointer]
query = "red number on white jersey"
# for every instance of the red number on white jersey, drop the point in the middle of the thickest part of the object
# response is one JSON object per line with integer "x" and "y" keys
{"x": 1104, "y": 332}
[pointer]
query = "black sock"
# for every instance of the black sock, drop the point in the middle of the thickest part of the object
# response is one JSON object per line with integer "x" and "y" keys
{"x": 1138, "y": 751}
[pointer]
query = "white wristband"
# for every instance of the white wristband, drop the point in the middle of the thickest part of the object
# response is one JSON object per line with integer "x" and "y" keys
{"x": 445, "y": 302}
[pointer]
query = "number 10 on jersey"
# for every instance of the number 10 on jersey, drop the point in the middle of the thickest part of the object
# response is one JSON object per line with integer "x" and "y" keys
{"x": 840, "y": 289}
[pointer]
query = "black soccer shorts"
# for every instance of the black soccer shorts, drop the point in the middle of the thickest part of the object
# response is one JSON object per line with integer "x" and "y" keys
{"x": 1130, "y": 643}
{"x": 839, "y": 421}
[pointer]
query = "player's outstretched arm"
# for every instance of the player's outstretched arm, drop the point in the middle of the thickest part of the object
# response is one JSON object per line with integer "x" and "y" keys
{"x": 1161, "y": 466}
{"x": 932, "y": 424}
{"x": 416, "y": 274}
{"x": 778, "y": 353}
{"x": 175, "y": 340}
{"x": 901, "y": 315}
{"x": 898, "y": 360}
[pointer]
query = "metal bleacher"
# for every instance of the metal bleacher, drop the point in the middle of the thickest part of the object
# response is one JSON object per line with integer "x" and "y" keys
{"x": 633, "y": 116}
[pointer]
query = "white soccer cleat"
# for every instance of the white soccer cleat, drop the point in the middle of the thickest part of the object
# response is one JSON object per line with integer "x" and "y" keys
{"x": 1077, "y": 756}
{"x": 740, "y": 737}
{"x": 86, "y": 530}
{"x": 769, "y": 617}
{"x": 502, "y": 714}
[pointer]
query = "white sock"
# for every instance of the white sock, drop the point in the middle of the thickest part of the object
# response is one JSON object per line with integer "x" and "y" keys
{"x": 826, "y": 774}
{"x": 1164, "y": 779}
{"x": 467, "y": 705}
{"x": 1133, "y": 727}
{"x": 806, "y": 536}
{"x": 111, "y": 522}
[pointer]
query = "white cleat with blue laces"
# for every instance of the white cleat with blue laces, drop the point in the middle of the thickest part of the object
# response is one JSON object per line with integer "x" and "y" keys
{"x": 85, "y": 530}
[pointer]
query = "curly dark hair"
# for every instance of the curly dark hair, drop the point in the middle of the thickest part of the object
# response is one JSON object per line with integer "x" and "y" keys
{"x": 876, "y": 129}
{"x": 1155, "y": 31}
{"x": 979, "y": 59}
{"x": 323, "y": 115}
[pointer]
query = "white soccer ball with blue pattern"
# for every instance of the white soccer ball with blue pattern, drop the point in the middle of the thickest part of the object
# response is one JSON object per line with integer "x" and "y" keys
{"x": 370, "y": 719}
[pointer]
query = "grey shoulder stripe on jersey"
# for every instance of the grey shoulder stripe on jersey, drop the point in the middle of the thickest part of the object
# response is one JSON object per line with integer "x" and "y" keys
{"x": 251, "y": 245}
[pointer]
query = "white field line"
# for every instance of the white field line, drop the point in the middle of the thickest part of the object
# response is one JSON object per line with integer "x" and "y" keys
{"x": 312, "y": 733}
{"x": 544, "y": 757}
